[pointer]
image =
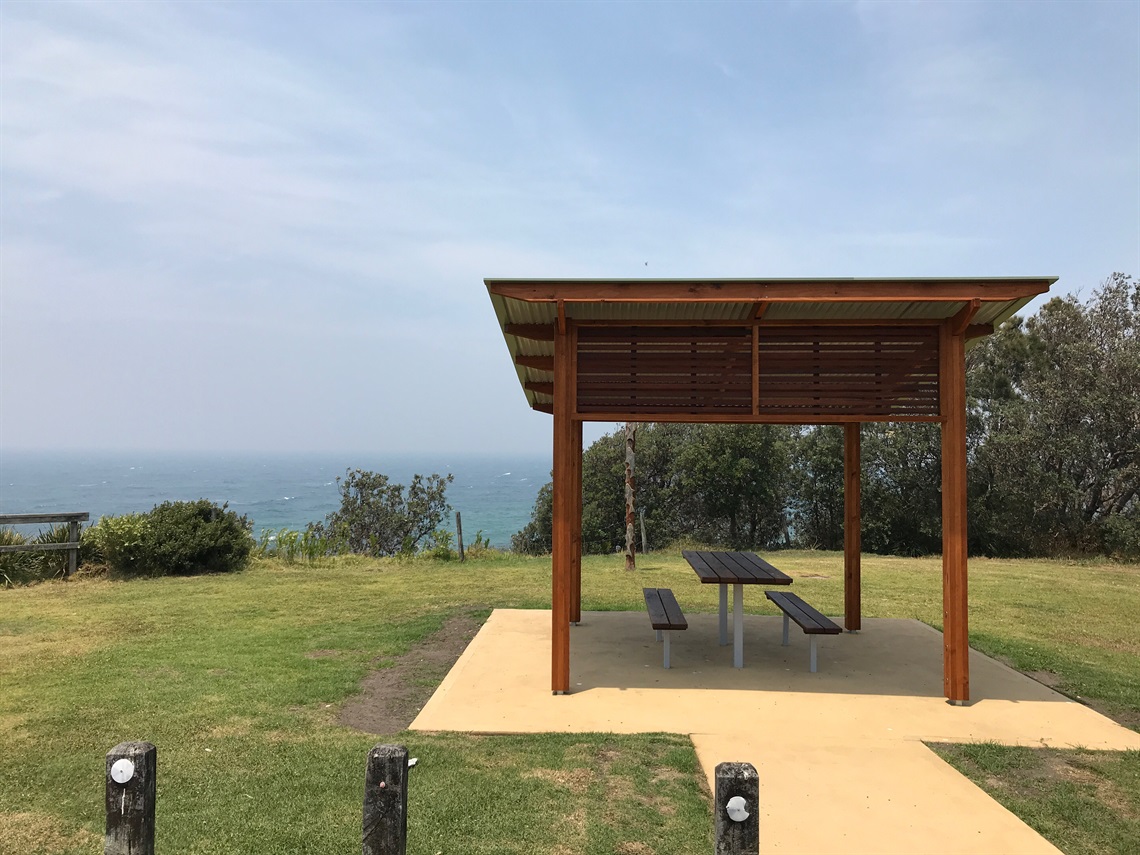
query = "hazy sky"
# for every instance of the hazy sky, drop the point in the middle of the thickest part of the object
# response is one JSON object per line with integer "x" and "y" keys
{"x": 266, "y": 225}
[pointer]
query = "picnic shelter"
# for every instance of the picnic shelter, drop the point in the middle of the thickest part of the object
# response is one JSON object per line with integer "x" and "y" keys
{"x": 756, "y": 351}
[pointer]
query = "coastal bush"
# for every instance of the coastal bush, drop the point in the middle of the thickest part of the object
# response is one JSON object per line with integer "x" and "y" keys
{"x": 290, "y": 545}
{"x": 119, "y": 541}
{"x": 188, "y": 538}
{"x": 14, "y": 566}
{"x": 377, "y": 517}
{"x": 26, "y": 568}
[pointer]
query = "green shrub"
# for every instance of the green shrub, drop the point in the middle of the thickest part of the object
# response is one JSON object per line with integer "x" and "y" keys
{"x": 15, "y": 567}
{"x": 119, "y": 541}
{"x": 188, "y": 538}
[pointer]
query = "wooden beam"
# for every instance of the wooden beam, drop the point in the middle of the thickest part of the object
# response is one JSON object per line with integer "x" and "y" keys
{"x": 760, "y": 309}
{"x": 852, "y": 529}
{"x": 769, "y": 290}
{"x": 955, "y": 601}
{"x": 576, "y": 530}
{"x": 746, "y": 418}
{"x": 542, "y": 407}
{"x": 539, "y": 387}
{"x": 535, "y": 332}
{"x": 755, "y": 369}
{"x": 538, "y": 363}
{"x": 562, "y": 547}
{"x": 979, "y": 330}
{"x": 961, "y": 320}
{"x": 561, "y": 317}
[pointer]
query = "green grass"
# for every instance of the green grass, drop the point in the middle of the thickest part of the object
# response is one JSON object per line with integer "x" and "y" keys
{"x": 1084, "y": 802}
{"x": 215, "y": 672}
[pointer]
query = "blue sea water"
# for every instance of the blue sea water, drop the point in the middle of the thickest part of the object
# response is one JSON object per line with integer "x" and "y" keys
{"x": 494, "y": 494}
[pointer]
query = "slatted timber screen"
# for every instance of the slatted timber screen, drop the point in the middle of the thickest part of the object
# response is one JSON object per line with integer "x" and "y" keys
{"x": 866, "y": 371}
{"x": 639, "y": 370}
{"x": 804, "y": 371}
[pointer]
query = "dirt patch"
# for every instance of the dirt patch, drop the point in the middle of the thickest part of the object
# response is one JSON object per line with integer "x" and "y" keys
{"x": 391, "y": 697}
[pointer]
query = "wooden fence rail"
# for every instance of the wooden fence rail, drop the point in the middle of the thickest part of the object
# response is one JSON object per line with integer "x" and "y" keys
{"x": 30, "y": 519}
{"x": 132, "y": 788}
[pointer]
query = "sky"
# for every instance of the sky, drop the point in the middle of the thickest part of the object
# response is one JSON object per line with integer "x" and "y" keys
{"x": 265, "y": 226}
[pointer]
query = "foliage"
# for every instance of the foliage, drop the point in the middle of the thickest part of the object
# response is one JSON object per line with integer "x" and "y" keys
{"x": 378, "y": 518}
{"x": 536, "y": 537}
{"x": 173, "y": 539}
{"x": 26, "y": 568}
{"x": 15, "y": 567}
{"x": 290, "y": 545}
{"x": 1053, "y": 451}
{"x": 119, "y": 541}
{"x": 439, "y": 545}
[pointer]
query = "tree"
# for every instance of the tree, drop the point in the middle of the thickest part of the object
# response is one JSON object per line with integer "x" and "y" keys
{"x": 1059, "y": 407}
{"x": 377, "y": 518}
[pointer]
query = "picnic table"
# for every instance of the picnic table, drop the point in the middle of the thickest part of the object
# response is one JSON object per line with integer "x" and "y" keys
{"x": 737, "y": 569}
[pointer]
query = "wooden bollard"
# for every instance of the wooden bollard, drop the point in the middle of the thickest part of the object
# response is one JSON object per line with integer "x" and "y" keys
{"x": 132, "y": 769}
{"x": 737, "y": 809}
{"x": 386, "y": 801}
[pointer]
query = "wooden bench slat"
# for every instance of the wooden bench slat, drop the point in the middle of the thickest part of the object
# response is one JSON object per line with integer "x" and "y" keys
{"x": 664, "y": 612}
{"x": 810, "y": 620}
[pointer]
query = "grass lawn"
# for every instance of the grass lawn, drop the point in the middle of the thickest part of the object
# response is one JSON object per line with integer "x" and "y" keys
{"x": 239, "y": 679}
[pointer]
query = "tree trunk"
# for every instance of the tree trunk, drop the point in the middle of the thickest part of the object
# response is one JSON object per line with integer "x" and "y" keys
{"x": 630, "y": 519}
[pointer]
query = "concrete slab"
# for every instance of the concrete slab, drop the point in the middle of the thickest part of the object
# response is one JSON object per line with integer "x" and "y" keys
{"x": 840, "y": 754}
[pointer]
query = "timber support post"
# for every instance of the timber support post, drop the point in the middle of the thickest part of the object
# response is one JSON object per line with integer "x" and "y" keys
{"x": 386, "y": 801}
{"x": 459, "y": 534}
{"x": 131, "y": 791}
{"x": 736, "y": 809}
{"x": 955, "y": 602}
{"x": 852, "y": 529}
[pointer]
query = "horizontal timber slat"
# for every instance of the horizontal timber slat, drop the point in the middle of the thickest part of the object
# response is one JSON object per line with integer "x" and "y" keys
{"x": 31, "y": 519}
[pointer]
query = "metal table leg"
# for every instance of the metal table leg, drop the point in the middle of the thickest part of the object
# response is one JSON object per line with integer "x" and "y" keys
{"x": 723, "y": 614}
{"x": 738, "y": 626}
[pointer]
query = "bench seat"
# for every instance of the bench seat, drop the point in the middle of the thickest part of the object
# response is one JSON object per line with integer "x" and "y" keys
{"x": 811, "y": 621}
{"x": 665, "y": 614}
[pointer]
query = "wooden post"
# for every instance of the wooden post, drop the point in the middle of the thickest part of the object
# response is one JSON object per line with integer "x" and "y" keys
{"x": 386, "y": 801}
{"x": 576, "y": 524}
{"x": 955, "y": 601}
{"x": 852, "y": 535}
{"x": 73, "y": 554}
{"x": 459, "y": 533}
{"x": 562, "y": 548}
{"x": 630, "y": 518}
{"x": 736, "y": 809}
{"x": 131, "y": 789}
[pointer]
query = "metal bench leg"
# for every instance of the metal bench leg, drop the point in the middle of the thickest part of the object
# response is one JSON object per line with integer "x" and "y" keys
{"x": 813, "y": 654}
{"x": 785, "y": 641}
{"x": 723, "y": 615}
{"x": 667, "y": 634}
{"x": 658, "y": 635}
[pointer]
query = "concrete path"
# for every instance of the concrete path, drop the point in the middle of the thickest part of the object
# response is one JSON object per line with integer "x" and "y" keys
{"x": 840, "y": 755}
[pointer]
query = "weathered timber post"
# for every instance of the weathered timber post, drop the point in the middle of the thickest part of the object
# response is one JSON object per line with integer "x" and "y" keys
{"x": 132, "y": 769}
{"x": 736, "y": 809}
{"x": 386, "y": 801}
{"x": 73, "y": 554}
{"x": 459, "y": 533}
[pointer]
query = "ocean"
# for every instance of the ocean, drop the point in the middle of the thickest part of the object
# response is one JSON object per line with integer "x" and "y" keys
{"x": 493, "y": 493}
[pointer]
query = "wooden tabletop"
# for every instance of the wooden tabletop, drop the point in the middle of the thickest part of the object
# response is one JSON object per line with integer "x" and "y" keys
{"x": 734, "y": 568}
